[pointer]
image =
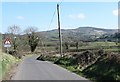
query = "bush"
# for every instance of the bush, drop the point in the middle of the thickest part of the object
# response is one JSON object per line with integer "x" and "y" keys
{"x": 15, "y": 54}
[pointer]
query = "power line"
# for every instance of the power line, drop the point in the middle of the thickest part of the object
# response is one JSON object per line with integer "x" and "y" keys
{"x": 52, "y": 18}
{"x": 60, "y": 2}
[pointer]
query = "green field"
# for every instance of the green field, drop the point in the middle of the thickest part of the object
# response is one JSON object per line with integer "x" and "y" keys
{"x": 107, "y": 46}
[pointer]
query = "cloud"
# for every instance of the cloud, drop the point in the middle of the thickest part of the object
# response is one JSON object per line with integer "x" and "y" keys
{"x": 20, "y": 17}
{"x": 77, "y": 16}
{"x": 81, "y": 16}
{"x": 116, "y": 12}
{"x": 71, "y": 16}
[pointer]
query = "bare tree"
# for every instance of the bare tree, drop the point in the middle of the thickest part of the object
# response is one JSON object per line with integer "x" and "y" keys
{"x": 32, "y": 37}
{"x": 14, "y": 29}
{"x": 31, "y": 29}
{"x": 13, "y": 32}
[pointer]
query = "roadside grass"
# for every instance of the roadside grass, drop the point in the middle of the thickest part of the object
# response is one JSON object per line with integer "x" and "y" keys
{"x": 6, "y": 61}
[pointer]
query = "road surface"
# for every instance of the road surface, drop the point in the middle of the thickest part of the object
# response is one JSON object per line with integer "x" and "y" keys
{"x": 32, "y": 69}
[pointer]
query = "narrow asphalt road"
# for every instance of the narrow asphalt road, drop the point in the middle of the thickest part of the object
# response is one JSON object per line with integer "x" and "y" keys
{"x": 32, "y": 69}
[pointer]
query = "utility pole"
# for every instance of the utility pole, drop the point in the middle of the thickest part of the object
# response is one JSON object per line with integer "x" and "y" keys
{"x": 60, "y": 36}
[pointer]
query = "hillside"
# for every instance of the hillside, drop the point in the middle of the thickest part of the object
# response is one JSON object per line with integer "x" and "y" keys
{"x": 110, "y": 37}
{"x": 73, "y": 35}
{"x": 78, "y": 34}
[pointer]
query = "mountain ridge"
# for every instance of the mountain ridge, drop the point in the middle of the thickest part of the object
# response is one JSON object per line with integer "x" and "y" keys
{"x": 78, "y": 34}
{"x": 73, "y": 35}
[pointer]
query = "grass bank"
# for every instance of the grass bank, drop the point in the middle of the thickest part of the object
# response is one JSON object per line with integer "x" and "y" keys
{"x": 6, "y": 61}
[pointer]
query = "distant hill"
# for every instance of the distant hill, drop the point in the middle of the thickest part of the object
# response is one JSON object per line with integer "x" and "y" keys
{"x": 110, "y": 37}
{"x": 73, "y": 35}
{"x": 78, "y": 34}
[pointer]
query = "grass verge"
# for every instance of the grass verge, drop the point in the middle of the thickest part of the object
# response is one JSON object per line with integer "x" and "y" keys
{"x": 6, "y": 61}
